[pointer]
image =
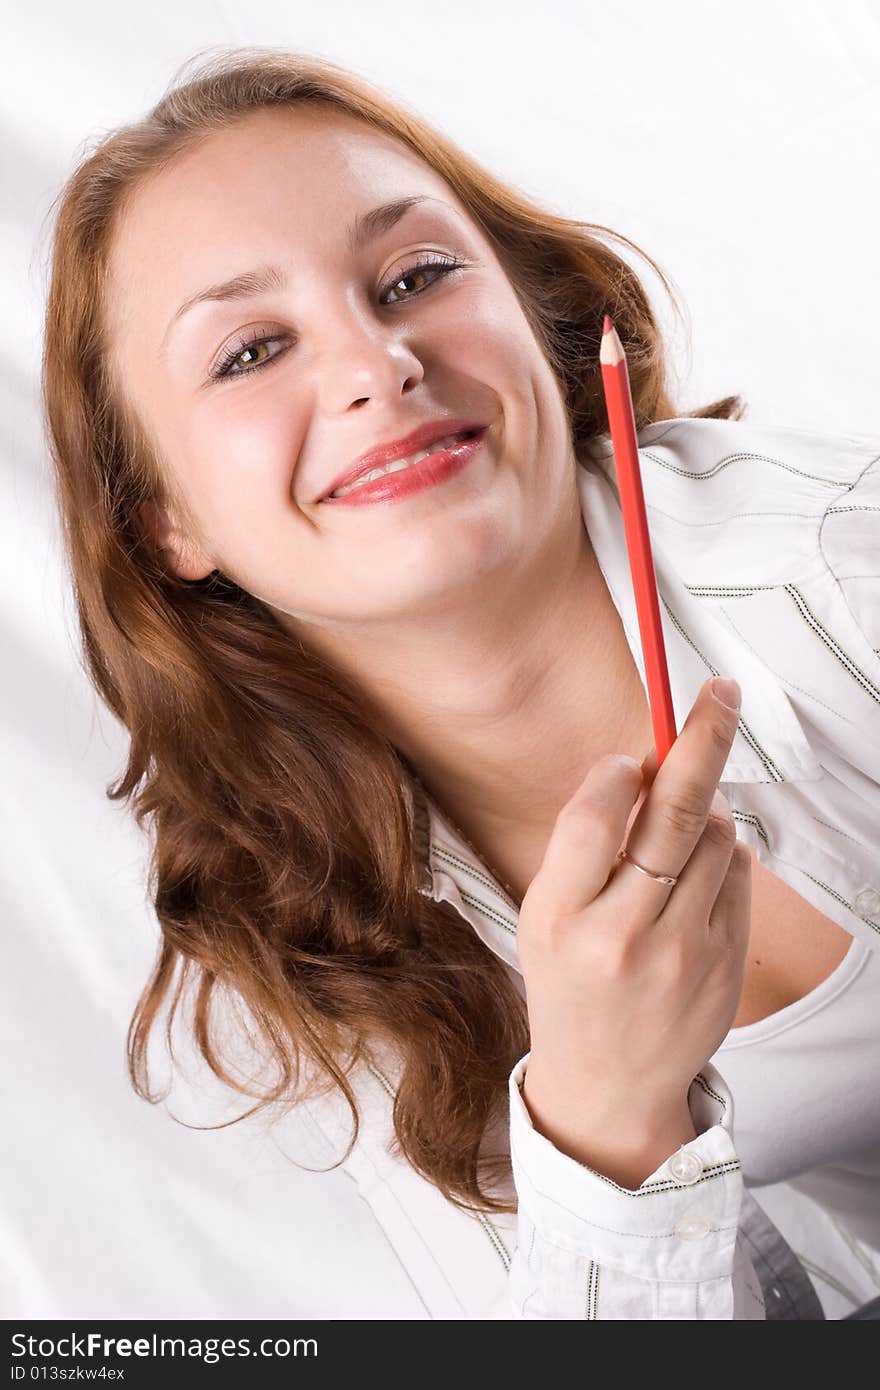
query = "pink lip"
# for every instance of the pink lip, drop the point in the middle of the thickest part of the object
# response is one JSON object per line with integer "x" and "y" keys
{"x": 422, "y": 438}
{"x": 428, "y": 472}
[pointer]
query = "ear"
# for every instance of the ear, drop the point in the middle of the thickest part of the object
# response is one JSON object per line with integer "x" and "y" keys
{"x": 185, "y": 557}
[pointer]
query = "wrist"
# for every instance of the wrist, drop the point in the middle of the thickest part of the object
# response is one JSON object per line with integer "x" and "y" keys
{"x": 625, "y": 1143}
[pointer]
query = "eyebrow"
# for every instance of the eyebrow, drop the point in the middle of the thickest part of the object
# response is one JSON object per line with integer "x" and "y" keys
{"x": 365, "y": 227}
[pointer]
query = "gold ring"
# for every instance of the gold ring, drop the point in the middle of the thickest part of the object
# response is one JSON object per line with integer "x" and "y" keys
{"x": 658, "y": 878}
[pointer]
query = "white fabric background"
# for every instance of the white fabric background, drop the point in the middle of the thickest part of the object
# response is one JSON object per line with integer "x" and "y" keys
{"x": 738, "y": 146}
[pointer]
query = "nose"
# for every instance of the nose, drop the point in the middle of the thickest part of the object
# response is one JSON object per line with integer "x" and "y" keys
{"x": 363, "y": 359}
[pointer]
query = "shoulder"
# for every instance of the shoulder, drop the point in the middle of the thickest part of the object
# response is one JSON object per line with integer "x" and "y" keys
{"x": 776, "y": 458}
{"x": 693, "y": 437}
{"x": 759, "y": 502}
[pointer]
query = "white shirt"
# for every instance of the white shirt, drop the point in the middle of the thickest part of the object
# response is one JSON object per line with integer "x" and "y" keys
{"x": 766, "y": 545}
{"x": 806, "y": 1094}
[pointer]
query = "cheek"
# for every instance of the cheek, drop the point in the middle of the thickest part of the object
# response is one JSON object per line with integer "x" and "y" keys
{"x": 484, "y": 323}
{"x": 248, "y": 455}
{"x": 498, "y": 336}
{"x": 265, "y": 423}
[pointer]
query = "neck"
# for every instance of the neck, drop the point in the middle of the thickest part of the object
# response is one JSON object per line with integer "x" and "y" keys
{"x": 573, "y": 695}
{"x": 528, "y": 719}
{"x": 504, "y": 700}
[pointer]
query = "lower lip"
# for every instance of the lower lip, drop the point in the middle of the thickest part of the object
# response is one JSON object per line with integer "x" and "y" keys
{"x": 428, "y": 472}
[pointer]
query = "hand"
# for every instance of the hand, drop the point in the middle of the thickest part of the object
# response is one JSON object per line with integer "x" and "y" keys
{"x": 632, "y": 985}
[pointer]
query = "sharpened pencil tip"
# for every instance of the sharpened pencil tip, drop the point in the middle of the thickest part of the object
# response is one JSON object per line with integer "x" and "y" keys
{"x": 607, "y": 325}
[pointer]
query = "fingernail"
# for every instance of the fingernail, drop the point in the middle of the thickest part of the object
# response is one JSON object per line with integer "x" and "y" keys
{"x": 727, "y": 691}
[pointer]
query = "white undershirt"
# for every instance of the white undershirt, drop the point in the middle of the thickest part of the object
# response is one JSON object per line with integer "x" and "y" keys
{"x": 806, "y": 1093}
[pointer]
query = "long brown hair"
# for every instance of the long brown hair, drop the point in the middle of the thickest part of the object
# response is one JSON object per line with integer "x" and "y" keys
{"x": 285, "y": 870}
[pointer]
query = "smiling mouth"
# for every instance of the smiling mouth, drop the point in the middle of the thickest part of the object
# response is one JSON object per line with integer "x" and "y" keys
{"x": 400, "y": 465}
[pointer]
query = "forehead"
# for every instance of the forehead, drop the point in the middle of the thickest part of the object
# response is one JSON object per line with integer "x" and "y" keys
{"x": 302, "y": 155}
{"x": 267, "y": 187}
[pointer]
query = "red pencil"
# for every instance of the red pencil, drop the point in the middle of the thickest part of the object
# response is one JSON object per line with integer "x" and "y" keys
{"x": 618, "y": 402}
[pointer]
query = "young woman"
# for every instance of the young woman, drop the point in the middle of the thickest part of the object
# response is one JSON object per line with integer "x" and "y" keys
{"x": 255, "y": 290}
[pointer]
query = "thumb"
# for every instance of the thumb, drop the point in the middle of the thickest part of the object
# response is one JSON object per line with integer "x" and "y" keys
{"x": 588, "y": 832}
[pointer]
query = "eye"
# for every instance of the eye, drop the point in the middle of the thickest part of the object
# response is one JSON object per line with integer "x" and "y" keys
{"x": 440, "y": 265}
{"x": 250, "y": 345}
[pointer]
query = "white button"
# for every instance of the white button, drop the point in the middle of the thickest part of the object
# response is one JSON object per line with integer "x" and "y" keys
{"x": 867, "y": 901}
{"x": 691, "y": 1228}
{"x": 685, "y": 1167}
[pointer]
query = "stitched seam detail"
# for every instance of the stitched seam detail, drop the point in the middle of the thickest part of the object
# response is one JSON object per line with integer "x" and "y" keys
{"x": 495, "y": 1239}
{"x": 592, "y": 1290}
{"x": 704, "y": 1085}
{"x": 848, "y": 664}
{"x": 712, "y": 1171}
{"x": 627, "y": 1235}
{"x": 749, "y": 818}
{"x": 832, "y": 892}
{"x": 728, "y": 459}
{"x": 488, "y": 912}
{"x": 446, "y": 852}
{"x": 491, "y": 1231}
{"x": 832, "y": 507}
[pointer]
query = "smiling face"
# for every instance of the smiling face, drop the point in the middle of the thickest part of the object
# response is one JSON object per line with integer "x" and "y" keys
{"x": 349, "y": 347}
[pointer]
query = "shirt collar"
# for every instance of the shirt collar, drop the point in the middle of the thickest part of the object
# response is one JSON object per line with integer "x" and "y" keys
{"x": 770, "y": 744}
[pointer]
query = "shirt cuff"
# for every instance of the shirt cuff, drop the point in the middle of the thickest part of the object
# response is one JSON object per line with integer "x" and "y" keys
{"x": 684, "y": 1213}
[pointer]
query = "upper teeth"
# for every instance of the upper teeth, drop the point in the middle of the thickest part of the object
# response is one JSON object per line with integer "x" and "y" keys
{"x": 398, "y": 464}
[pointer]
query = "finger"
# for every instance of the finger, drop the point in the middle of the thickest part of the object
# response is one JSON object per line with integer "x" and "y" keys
{"x": 654, "y": 893}
{"x": 732, "y": 913}
{"x": 649, "y": 767}
{"x": 649, "y": 772}
{"x": 676, "y": 807}
{"x": 581, "y": 851}
{"x": 701, "y": 881}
